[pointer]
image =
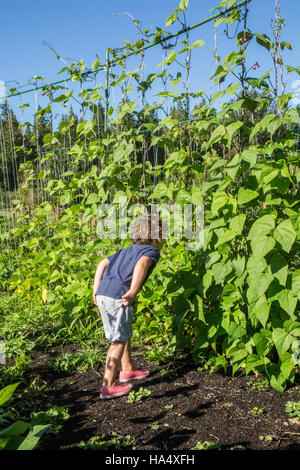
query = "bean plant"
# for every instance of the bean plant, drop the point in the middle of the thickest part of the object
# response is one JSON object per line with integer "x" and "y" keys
{"x": 232, "y": 303}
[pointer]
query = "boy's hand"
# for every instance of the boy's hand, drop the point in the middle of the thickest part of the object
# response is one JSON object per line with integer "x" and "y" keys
{"x": 95, "y": 300}
{"x": 128, "y": 298}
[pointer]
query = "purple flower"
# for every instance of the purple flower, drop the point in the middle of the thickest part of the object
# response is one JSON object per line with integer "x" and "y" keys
{"x": 256, "y": 66}
{"x": 170, "y": 76}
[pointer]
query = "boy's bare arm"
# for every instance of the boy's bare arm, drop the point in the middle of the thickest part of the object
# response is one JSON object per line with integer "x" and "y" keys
{"x": 98, "y": 276}
{"x": 139, "y": 273}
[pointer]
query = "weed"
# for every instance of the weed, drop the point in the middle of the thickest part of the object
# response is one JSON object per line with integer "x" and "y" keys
{"x": 260, "y": 385}
{"x": 155, "y": 425}
{"x": 134, "y": 396}
{"x": 55, "y": 416}
{"x": 256, "y": 411}
{"x": 169, "y": 407}
{"x": 206, "y": 445}
{"x": 165, "y": 445}
{"x": 236, "y": 447}
{"x": 161, "y": 353}
{"x": 117, "y": 442}
{"x": 81, "y": 360}
{"x": 265, "y": 438}
{"x": 293, "y": 409}
{"x": 168, "y": 373}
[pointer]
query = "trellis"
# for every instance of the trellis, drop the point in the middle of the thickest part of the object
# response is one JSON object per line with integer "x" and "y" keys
{"x": 60, "y": 157}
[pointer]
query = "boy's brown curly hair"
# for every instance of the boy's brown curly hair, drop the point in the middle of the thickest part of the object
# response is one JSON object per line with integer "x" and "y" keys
{"x": 141, "y": 230}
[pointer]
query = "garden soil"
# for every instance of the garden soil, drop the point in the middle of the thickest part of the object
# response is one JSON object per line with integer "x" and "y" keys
{"x": 186, "y": 406}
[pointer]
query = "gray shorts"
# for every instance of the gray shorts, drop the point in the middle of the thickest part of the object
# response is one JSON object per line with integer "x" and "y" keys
{"x": 116, "y": 318}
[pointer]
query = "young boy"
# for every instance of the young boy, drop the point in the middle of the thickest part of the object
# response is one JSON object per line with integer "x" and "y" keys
{"x": 118, "y": 279}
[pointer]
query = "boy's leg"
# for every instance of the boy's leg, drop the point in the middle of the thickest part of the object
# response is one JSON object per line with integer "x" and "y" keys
{"x": 113, "y": 362}
{"x": 126, "y": 360}
{"x": 128, "y": 371}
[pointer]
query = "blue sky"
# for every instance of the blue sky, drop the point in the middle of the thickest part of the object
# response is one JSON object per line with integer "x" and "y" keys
{"x": 80, "y": 30}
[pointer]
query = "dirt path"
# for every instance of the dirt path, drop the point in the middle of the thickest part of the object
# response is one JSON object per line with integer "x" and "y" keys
{"x": 185, "y": 406}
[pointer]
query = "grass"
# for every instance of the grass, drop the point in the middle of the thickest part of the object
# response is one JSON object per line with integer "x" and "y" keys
{"x": 116, "y": 441}
{"x": 81, "y": 360}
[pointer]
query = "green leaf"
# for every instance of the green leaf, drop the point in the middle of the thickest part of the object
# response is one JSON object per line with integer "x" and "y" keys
{"x": 262, "y": 343}
{"x": 177, "y": 80}
{"x": 93, "y": 198}
{"x": 293, "y": 327}
{"x": 198, "y": 43}
{"x": 279, "y": 268}
{"x": 261, "y": 310}
{"x": 274, "y": 125}
{"x": 220, "y": 271}
{"x": 236, "y": 331}
{"x": 228, "y": 236}
{"x": 207, "y": 281}
{"x": 287, "y": 301}
{"x": 65, "y": 198}
{"x": 33, "y": 437}
{"x": 183, "y": 197}
{"x": 171, "y": 57}
{"x": 237, "y": 223}
{"x": 246, "y": 195}
{"x": 55, "y": 276}
{"x": 258, "y": 286}
{"x": 15, "y": 429}
{"x": 196, "y": 195}
{"x": 262, "y": 125}
{"x": 252, "y": 362}
{"x": 183, "y": 4}
{"x": 256, "y": 265}
{"x": 217, "y": 95}
{"x": 296, "y": 283}
{"x": 7, "y": 392}
{"x": 231, "y": 129}
{"x": 217, "y": 134}
{"x": 278, "y": 382}
{"x": 262, "y": 226}
{"x": 159, "y": 191}
{"x": 233, "y": 166}
{"x": 292, "y": 69}
{"x": 261, "y": 246}
{"x": 4, "y": 443}
{"x": 282, "y": 340}
{"x": 232, "y": 89}
{"x": 123, "y": 151}
{"x": 250, "y": 156}
{"x": 263, "y": 40}
{"x": 238, "y": 265}
{"x": 220, "y": 199}
{"x": 268, "y": 175}
{"x": 198, "y": 306}
{"x": 285, "y": 235}
{"x": 287, "y": 369}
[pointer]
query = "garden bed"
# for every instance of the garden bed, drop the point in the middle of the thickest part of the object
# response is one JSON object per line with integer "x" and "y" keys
{"x": 186, "y": 406}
